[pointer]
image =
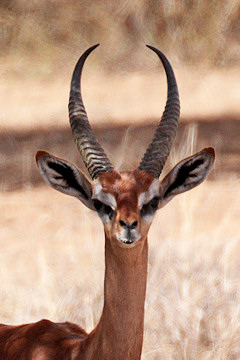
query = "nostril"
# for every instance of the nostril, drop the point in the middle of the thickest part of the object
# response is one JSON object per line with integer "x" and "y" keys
{"x": 134, "y": 225}
{"x": 122, "y": 223}
{"x": 131, "y": 226}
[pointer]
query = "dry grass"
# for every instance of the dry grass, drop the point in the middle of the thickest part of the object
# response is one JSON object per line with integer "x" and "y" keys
{"x": 193, "y": 289}
{"x": 52, "y": 248}
{"x": 38, "y": 37}
{"x": 52, "y": 266}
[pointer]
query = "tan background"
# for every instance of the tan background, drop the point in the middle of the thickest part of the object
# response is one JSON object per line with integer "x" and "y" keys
{"x": 51, "y": 258}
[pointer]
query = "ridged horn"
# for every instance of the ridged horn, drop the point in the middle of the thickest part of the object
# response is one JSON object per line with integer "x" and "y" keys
{"x": 94, "y": 157}
{"x": 158, "y": 150}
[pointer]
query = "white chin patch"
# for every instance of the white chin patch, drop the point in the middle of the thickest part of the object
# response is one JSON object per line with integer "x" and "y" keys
{"x": 128, "y": 242}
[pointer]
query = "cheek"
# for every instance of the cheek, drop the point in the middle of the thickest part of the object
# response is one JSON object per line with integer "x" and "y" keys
{"x": 105, "y": 219}
{"x": 116, "y": 229}
{"x": 148, "y": 219}
{"x": 146, "y": 222}
{"x": 109, "y": 228}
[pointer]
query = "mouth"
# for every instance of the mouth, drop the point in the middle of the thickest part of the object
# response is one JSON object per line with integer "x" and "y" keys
{"x": 128, "y": 241}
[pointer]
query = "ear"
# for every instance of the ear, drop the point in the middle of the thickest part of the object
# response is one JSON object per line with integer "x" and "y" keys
{"x": 187, "y": 174}
{"x": 64, "y": 177}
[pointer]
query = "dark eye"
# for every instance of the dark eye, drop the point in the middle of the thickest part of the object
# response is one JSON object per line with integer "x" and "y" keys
{"x": 150, "y": 207}
{"x": 103, "y": 209}
{"x": 154, "y": 203}
{"x": 108, "y": 211}
{"x": 97, "y": 204}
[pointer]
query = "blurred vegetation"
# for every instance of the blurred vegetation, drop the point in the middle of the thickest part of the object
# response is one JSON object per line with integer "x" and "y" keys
{"x": 48, "y": 33}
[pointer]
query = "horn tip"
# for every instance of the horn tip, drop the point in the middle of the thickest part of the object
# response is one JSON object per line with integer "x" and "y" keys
{"x": 152, "y": 47}
{"x": 157, "y": 51}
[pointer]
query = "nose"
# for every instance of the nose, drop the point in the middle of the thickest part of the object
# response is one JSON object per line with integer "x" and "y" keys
{"x": 128, "y": 225}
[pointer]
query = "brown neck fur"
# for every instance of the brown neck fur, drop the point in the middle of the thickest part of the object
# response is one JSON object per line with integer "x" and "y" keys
{"x": 119, "y": 334}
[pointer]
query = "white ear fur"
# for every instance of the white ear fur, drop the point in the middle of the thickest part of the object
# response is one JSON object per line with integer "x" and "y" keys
{"x": 64, "y": 177}
{"x": 187, "y": 174}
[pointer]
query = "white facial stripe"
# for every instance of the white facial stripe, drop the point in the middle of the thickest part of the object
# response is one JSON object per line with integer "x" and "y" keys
{"x": 106, "y": 198}
{"x": 148, "y": 195}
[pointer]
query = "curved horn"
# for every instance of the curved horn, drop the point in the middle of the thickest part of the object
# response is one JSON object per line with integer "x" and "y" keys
{"x": 91, "y": 151}
{"x": 158, "y": 150}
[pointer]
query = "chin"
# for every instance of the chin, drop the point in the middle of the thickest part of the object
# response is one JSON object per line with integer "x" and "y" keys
{"x": 128, "y": 243}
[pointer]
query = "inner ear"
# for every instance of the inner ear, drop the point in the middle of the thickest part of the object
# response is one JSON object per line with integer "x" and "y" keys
{"x": 64, "y": 177}
{"x": 187, "y": 174}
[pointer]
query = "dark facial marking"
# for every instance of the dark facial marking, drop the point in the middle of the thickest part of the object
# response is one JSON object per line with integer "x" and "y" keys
{"x": 150, "y": 207}
{"x": 103, "y": 209}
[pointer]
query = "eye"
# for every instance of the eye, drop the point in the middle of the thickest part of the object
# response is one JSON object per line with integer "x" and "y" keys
{"x": 97, "y": 204}
{"x": 108, "y": 211}
{"x": 150, "y": 207}
{"x": 154, "y": 203}
{"x": 103, "y": 209}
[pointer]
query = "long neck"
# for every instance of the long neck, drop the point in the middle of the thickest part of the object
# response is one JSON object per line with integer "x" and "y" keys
{"x": 119, "y": 334}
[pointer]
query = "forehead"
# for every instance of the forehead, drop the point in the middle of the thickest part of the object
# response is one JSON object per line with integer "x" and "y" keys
{"x": 126, "y": 184}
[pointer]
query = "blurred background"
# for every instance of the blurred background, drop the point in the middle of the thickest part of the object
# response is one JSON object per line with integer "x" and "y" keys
{"x": 124, "y": 86}
{"x": 43, "y": 234}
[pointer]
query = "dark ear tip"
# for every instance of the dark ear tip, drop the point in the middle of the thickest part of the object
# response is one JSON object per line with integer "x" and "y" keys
{"x": 41, "y": 154}
{"x": 210, "y": 152}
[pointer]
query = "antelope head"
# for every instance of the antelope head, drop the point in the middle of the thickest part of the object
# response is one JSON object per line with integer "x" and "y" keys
{"x": 125, "y": 201}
